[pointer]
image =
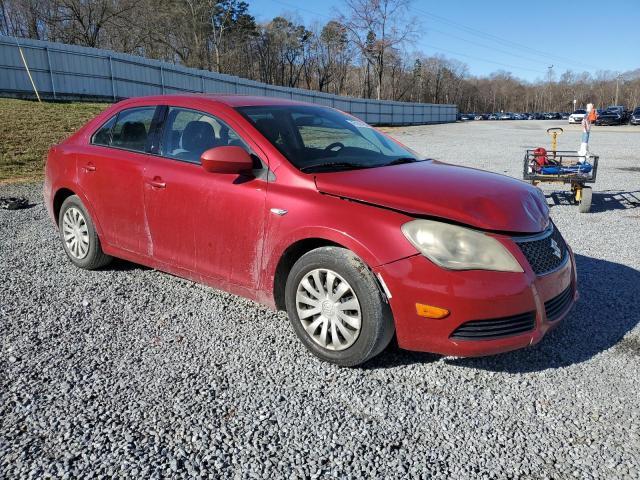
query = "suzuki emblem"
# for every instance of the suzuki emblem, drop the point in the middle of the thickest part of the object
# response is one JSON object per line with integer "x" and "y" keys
{"x": 556, "y": 248}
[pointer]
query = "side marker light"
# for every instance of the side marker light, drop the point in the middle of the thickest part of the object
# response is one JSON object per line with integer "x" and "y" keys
{"x": 429, "y": 311}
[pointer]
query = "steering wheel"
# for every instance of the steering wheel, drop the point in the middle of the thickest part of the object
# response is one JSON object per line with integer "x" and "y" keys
{"x": 333, "y": 146}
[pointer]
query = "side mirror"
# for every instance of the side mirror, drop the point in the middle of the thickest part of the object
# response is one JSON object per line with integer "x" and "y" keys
{"x": 227, "y": 159}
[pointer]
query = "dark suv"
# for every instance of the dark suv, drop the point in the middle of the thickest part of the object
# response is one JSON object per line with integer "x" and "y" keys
{"x": 614, "y": 115}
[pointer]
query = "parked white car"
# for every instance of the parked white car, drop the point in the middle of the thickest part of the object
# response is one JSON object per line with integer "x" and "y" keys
{"x": 577, "y": 116}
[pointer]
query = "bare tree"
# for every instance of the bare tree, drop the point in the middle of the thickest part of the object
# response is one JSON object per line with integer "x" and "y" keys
{"x": 227, "y": 16}
{"x": 84, "y": 21}
{"x": 330, "y": 55}
{"x": 24, "y": 18}
{"x": 359, "y": 54}
{"x": 377, "y": 27}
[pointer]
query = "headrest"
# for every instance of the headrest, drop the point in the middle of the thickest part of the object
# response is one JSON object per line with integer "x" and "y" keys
{"x": 198, "y": 136}
{"x": 134, "y": 132}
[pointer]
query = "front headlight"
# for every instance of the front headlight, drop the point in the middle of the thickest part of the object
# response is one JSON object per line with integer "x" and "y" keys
{"x": 459, "y": 248}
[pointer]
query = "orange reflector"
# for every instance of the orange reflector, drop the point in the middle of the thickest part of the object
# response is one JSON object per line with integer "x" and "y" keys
{"x": 430, "y": 311}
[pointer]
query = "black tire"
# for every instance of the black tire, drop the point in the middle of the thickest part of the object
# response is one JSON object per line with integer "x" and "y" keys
{"x": 95, "y": 257}
{"x": 376, "y": 330}
{"x": 585, "y": 200}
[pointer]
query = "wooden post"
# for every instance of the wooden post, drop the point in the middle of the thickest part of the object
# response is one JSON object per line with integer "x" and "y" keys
{"x": 24, "y": 61}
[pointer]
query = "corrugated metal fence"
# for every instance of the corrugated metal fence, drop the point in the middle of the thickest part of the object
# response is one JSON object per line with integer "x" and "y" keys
{"x": 63, "y": 72}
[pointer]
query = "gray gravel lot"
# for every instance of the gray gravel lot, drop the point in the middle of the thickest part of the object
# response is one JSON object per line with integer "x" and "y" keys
{"x": 129, "y": 372}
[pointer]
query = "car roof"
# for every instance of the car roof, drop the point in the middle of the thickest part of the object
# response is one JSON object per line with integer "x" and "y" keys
{"x": 230, "y": 100}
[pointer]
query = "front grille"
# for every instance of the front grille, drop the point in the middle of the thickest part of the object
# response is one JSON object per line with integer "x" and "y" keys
{"x": 554, "y": 307}
{"x": 496, "y": 328}
{"x": 545, "y": 253}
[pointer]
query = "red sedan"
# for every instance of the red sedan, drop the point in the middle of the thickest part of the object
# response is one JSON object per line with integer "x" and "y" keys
{"x": 307, "y": 209}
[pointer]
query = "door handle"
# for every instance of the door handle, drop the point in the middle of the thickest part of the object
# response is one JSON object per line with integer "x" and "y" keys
{"x": 89, "y": 167}
{"x": 157, "y": 183}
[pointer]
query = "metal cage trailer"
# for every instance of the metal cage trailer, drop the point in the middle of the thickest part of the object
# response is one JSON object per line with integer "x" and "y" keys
{"x": 565, "y": 167}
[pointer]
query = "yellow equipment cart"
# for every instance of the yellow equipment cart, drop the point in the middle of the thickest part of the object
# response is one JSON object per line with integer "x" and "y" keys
{"x": 561, "y": 166}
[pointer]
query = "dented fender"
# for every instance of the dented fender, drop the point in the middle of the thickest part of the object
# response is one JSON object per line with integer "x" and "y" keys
{"x": 311, "y": 215}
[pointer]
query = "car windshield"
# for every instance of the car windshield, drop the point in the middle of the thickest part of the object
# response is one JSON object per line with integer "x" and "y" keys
{"x": 636, "y": 111}
{"x": 579, "y": 112}
{"x": 320, "y": 139}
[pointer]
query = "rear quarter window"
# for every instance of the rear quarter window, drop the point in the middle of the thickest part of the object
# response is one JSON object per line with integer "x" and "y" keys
{"x": 103, "y": 135}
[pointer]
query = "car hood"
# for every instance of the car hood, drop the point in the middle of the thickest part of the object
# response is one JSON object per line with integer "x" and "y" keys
{"x": 484, "y": 200}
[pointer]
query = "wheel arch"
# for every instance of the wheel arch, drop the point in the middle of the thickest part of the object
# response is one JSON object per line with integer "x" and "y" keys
{"x": 300, "y": 246}
{"x": 288, "y": 258}
{"x": 58, "y": 199}
{"x": 65, "y": 191}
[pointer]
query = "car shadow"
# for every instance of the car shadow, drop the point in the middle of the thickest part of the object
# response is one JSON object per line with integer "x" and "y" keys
{"x": 601, "y": 201}
{"x": 120, "y": 265}
{"x": 606, "y": 312}
{"x": 394, "y": 356}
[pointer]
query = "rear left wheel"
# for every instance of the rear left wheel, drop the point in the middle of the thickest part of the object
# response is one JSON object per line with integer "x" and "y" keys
{"x": 79, "y": 237}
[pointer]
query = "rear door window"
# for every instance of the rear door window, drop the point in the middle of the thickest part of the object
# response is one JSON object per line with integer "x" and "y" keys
{"x": 189, "y": 133}
{"x": 131, "y": 129}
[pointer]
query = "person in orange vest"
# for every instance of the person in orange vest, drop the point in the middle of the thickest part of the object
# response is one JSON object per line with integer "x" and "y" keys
{"x": 587, "y": 121}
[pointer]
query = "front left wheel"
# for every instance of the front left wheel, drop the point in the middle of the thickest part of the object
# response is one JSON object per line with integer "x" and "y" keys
{"x": 79, "y": 237}
{"x": 336, "y": 308}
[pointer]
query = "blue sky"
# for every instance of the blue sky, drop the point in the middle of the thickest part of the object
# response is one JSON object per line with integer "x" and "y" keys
{"x": 522, "y": 37}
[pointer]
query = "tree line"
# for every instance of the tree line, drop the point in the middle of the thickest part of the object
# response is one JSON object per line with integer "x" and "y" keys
{"x": 363, "y": 52}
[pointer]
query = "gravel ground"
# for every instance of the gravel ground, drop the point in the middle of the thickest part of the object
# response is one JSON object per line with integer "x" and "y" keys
{"x": 129, "y": 372}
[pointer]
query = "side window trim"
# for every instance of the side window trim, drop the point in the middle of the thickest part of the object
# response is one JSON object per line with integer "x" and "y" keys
{"x": 156, "y": 130}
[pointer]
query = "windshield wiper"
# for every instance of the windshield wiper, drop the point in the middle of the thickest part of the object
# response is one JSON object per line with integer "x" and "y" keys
{"x": 401, "y": 160}
{"x": 337, "y": 165}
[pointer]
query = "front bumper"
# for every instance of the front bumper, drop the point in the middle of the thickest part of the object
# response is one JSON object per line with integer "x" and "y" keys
{"x": 470, "y": 296}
